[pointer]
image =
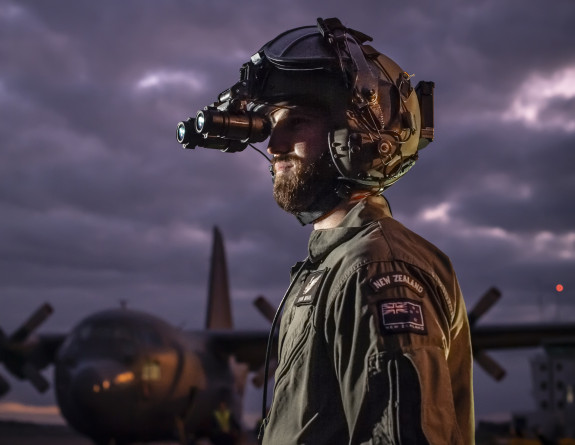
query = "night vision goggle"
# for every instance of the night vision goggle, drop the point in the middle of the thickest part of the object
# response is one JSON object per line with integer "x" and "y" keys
{"x": 232, "y": 122}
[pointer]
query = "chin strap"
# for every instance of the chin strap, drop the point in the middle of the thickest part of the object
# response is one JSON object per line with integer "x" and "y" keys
{"x": 306, "y": 218}
{"x": 322, "y": 207}
{"x": 324, "y": 204}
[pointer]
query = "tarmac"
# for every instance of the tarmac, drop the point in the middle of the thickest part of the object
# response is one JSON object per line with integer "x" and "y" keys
{"x": 21, "y": 433}
{"x": 18, "y": 433}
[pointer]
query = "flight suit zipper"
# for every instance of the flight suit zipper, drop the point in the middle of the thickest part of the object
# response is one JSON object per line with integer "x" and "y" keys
{"x": 265, "y": 411}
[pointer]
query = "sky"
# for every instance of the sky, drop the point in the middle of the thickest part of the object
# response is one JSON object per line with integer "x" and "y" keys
{"x": 99, "y": 204}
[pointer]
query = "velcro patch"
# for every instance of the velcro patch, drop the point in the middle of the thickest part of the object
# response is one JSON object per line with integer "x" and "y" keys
{"x": 401, "y": 315}
{"x": 309, "y": 288}
{"x": 392, "y": 279}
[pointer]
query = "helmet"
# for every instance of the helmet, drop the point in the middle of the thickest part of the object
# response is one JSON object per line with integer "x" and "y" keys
{"x": 381, "y": 121}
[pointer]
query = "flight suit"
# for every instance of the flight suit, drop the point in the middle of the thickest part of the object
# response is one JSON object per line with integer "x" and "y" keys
{"x": 374, "y": 344}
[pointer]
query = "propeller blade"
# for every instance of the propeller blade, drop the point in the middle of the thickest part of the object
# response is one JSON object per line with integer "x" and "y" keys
{"x": 258, "y": 378}
{"x": 3, "y": 340}
{"x": 484, "y": 304}
{"x": 24, "y": 357}
{"x": 4, "y": 386}
{"x": 34, "y": 376}
{"x": 35, "y": 320}
{"x": 489, "y": 365}
{"x": 265, "y": 308}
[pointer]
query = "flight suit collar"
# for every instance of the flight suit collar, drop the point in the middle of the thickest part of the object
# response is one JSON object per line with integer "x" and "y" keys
{"x": 366, "y": 211}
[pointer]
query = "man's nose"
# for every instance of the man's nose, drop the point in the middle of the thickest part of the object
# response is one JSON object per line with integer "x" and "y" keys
{"x": 278, "y": 143}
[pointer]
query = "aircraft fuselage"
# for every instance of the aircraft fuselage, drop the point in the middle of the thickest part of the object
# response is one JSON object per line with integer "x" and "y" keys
{"x": 125, "y": 374}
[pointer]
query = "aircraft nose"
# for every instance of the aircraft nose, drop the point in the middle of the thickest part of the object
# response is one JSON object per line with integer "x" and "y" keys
{"x": 94, "y": 383}
{"x": 93, "y": 386}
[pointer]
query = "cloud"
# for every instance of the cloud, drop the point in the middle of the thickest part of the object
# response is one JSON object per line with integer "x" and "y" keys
{"x": 545, "y": 101}
{"x": 100, "y": 203}
{"x": 439, "y": 213}
{"x": 158, "y": 79}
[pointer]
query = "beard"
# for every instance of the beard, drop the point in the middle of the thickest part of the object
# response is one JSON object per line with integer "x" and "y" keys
{"x": 302, "y": 188}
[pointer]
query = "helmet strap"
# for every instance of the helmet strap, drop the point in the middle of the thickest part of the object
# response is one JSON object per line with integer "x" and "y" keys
{"x": 321, "y": 207}
{"x": 325, "y": 202}
{"x": 329, "y": 201}
{"x": 361, "y": 81}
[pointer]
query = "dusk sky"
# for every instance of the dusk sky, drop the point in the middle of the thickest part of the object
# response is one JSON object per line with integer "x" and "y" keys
{"x": 99, "y": 203}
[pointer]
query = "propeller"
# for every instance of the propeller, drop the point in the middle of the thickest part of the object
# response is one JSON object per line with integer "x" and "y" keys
{"x": 17, "y": 352}
{"x": 258, "y": 378}
{"x": 4, "y": 385}
{"x": 489, "y": 365}
{"x": 265, "y": 308}
{"x": 483, "y": 359}
{"x": 485, "y": 303}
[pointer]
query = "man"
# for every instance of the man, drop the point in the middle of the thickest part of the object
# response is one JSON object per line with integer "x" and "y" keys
{"x": 374, "y": 344}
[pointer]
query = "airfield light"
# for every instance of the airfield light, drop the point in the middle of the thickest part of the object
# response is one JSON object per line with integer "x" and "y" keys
{"x": 124, "y": 377}
{"x": 559, "y": 288}
{"x": 106, "y": 384}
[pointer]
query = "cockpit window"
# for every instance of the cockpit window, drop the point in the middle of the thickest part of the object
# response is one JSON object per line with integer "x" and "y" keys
{"x": 106, "y": 331}
{"x": 150, "y": 337}
{"x": 105, "y": 337}
{"x": 98, "y": 338}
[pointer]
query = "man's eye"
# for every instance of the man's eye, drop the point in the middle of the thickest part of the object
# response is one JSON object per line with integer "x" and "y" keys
{"x": 297, "y": 121}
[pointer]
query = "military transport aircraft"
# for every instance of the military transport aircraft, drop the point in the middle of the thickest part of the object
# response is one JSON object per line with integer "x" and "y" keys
{"x": 126, "y": 376}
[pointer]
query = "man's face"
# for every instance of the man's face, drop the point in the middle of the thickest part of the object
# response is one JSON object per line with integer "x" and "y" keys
{"x": 299, "y": 145}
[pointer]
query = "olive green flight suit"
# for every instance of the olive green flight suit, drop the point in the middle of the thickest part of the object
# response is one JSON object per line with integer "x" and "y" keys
{"x": 374, "y": 344}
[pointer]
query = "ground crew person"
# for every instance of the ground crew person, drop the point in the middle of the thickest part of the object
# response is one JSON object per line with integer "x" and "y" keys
{"x": 225, "y": 429}
{"x": 374, "y": 344}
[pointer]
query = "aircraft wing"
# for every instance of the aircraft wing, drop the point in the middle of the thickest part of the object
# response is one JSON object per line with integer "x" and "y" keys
{"x": 246, "y": 346}
{"x": 521, "y": 336}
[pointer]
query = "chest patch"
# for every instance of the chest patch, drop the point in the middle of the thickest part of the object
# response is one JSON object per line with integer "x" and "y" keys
{"x": 309, "y": 288}
{"x": 392, "y": 279}
{"x": 401, "y": 315}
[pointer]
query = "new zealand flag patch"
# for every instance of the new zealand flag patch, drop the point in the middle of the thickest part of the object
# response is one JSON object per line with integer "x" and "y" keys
{"x": 401, "y": 315}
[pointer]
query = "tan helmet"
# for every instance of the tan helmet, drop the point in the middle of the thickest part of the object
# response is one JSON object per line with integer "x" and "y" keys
{"x": 381, "y": 121}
